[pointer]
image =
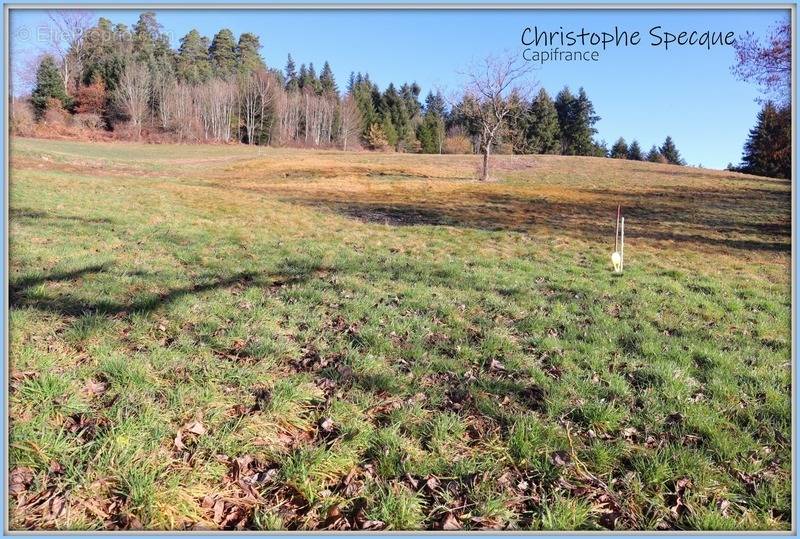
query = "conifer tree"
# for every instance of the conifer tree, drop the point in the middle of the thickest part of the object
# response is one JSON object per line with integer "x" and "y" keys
{"x": 654, "y": 156}
{"x": 192, "y": 63}
{"x": 222, "y": 54}
{"x": 543, "y": 134}
{"x": 49, "y": 85}
{"x": 768, "y": 149}
{"x": 389, "y": 131}
{"x": 430, "y": 132}
{"x": 291, "y": 74}
{"x": 435, "y": 103}
{"x": 248, "y": 57}
{"x": 564, "y": 105}
{"x": 106, "y": 50}
{"x": 670, "y": 152}
{"x": 144, "y": 35}
{"x": 327, "y": 81}
{"x": 635, "y": 151}
{"x": 599, "y": 149}
{"x": 582, "y": 129}
{"x": 619, "y": 150}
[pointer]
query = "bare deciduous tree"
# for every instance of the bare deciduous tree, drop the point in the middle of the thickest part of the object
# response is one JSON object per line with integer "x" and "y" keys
{"x": 493, "y": 90}
{"x": 350, "y": 124}
{"x": 256, "y": 94}
{"x": 133, "y": 94}
{"x": 216, "y": 104}
{"x": 768, "y": 64}
{"x": 65, "y": 42}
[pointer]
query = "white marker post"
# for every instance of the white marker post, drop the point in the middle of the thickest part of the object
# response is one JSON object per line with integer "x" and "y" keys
{"x": 615, "y": 256}
{"x": 622, "y": 246}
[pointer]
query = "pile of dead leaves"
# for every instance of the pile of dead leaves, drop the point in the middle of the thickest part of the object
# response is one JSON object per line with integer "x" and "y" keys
{"x": 234, "y": 509}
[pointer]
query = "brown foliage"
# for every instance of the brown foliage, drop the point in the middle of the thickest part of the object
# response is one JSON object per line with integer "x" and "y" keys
{"x": 91, "y": 98}
{"x": 23, "y": 121}
{"x": 457, "y": 144}
{"x": 55, "y": 115}
{"x": 376, "y": 139}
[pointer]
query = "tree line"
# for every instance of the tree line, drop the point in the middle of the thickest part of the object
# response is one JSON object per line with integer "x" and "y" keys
{"x": 130, "y": 80}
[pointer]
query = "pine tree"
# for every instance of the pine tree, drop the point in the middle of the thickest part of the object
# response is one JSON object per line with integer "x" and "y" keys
{"x": 430, "y": 132}
{"x": 599, "y": 149}
{"x": 768, "y": 149}
{"x": 654, "y": 156}
{"x": 144, "y": 35}
{"x": 312, "y": 80}
{"x": 582, "y": 129}
{"x": 106, "y": 50}
{"x": 635, "y": 151}
{"x": 564, "y": 105}
{"x": 435, "y": 103}
{"x": 409, "y": 93}
{"x": 49, "y": 85}
{"x": 327, "y": 81}
{"x": 150, "y": 46}
{"x": 292, "y": 82}
{"x": 367, "y": 99}
{"x": 192, "y": 63}
{"x": 543, "y": 135}
{"x": 222, "y": 54}
{"x": 619, "y": 150}
{"x": 389, "y": 131}
{"x": 670, "y": 152}
{"x": 248, "y": 57}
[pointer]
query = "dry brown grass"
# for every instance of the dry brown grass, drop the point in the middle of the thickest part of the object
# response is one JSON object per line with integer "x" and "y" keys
{"x": 669, "y": 209}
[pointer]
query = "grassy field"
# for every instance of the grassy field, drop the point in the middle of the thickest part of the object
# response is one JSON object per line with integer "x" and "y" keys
{"x": 208, "y": 337}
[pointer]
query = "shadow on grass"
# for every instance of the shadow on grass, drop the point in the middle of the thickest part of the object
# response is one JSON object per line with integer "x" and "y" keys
{"x": 70, "y": 305}
{"x": 24, "y": 214}
{"x": 712, "y": 219}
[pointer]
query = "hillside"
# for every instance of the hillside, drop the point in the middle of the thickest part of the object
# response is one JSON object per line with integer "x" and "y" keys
{"x": 258, "y": 338}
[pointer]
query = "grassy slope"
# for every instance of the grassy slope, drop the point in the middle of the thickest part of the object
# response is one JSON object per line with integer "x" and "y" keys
{"x": 364, "y": 337}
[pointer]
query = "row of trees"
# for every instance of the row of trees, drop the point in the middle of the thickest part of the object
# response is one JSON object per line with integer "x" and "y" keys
{"x": 220, "y": 89}
{"x": 666, "y": 153}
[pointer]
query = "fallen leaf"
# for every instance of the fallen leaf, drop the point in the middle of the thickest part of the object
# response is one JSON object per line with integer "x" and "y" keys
{"x": 192, "y": 427}
{"x": 19, "y": 480}
{"x": 219, "y": 509}
{"x": 450, "y": 522}
{"x": 195, "y": 427}
{"x": 561, "y": 458}
{"x": 95, "y": 388}
{"x": 326, "y": 424}
{"x": 495, "y": 365}
{"x": 373, "y": 525}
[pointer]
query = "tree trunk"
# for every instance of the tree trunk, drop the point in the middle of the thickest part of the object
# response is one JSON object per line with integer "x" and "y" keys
{"x": 485, "y": 173}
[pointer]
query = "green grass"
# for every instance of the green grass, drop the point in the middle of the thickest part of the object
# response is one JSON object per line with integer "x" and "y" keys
{"x": 378, "y": 341}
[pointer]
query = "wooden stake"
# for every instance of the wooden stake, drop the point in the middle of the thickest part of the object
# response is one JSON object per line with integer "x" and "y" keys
{"x": 616, "y": 232}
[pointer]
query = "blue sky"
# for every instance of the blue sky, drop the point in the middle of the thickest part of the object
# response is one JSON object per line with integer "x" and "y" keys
{"x": 641, "y": 92}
